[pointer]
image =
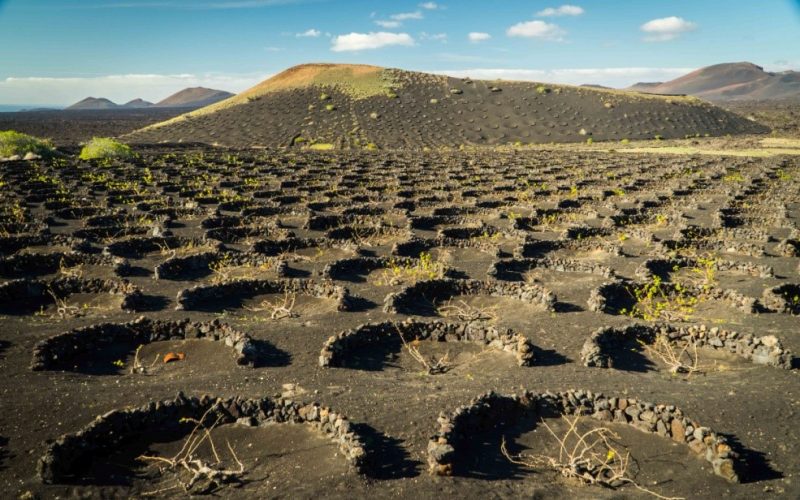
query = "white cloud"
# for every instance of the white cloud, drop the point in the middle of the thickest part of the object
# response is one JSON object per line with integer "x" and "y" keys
{"x": 388, "y": 24}
{"x": 118, "y": 88}
{"x": 310, "y": 33}
{"x": 405, "y": 16}
{"x": 429, "y": 5}
{"x": 666, "y": 28}
{"x": 564, "y": 10}
{"x": 439, "y": 37}
{"x": 477, "y": 36}
{"x": 610, "y": 77}
{"x": 537, "y": 29}
{"x": 366, "y": 41}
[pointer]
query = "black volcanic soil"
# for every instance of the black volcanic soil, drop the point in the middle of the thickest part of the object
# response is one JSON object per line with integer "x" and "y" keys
{"x": 74, "y": 126}
{"x": 782, "y": 116}
{"x": 636, "y": 203}
{"x": 449, "y": 112}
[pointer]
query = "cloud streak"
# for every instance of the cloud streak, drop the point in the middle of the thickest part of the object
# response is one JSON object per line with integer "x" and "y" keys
{"x": 189, "y": 4}
{"x": 564, "y": 10}
{"x": 477, "y": 36}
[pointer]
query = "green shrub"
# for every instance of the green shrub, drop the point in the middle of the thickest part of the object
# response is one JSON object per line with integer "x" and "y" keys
{"x": 324, "y": 97}
{"x": 104, "y": 148}
{"x": 541, "y": 89}
{"x": 330, "y": 107}
{"x": 16, "y": 143}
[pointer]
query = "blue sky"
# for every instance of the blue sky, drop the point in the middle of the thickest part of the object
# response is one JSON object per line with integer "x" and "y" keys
{"x": 59, "y": 51}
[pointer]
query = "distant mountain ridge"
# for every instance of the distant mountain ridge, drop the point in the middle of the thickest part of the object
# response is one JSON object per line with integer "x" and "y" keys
{"x": 742, "y": 81}
{"x": 93, "y": 103}
{"x": 192, "y": 97}
{"x": 137, "y": 103}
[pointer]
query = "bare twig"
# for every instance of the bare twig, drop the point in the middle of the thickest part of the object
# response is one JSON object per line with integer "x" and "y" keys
{"x": 678, "y": 360}
{"x": 591, "y": 457}
{"x": 278, "y": 309}
{"x": 466, "y": 312}
{"x": 212, "y": 474}
{"x": 432, "y": 366}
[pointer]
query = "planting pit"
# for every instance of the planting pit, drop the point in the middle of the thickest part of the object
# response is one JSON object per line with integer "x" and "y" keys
{"x": 376, "y": 342}
{"x": 100, "y": 348}
{"x": 489, "y": 418}
{"x": 248, "y": 435}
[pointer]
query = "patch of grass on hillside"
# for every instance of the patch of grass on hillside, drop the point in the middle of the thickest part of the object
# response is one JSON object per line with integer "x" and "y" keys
{"x": 100, "y": 148}
{"x": 321, "y": 146}
{"x": 16, "y": 143}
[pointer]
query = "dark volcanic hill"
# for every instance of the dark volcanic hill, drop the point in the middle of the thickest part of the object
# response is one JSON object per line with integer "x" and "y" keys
{"x": 731, "y": 81}
{"x": 356, "y": 106}
{"x": 93, "y": 103}
{"x": 137, "y": 104}
{"x": 194, "y": 97}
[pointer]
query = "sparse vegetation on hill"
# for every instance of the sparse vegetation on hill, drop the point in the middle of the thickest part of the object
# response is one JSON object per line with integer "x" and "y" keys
{"x": 100, "y": 148}
{"x": 16, "y": 143}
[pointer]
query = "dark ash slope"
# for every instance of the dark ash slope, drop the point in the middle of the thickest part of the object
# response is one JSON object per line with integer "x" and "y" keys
{"x": 419, "y": 110}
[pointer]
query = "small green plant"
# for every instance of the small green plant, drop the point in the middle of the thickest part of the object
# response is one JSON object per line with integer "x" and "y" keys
{"x": 324, "y": 97}
{"x": 424, "y": 269}
{"x": 656, "y": 301}
{"x": 541, "y": 89}
{"x": 734, "y": 177}
{"x": 321, "y": 146}
{"x": 16, "y": 143}
{"x": 330, "y": 107}
{"x": 100, "y": 148}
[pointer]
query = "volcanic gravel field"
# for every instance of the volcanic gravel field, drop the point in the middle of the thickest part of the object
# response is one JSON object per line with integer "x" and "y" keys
{"x": 352, "y": 323}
